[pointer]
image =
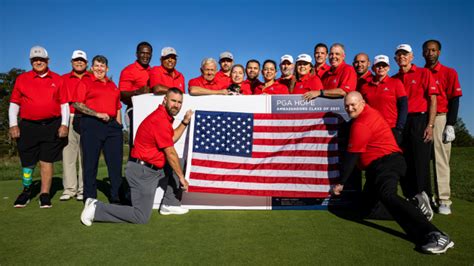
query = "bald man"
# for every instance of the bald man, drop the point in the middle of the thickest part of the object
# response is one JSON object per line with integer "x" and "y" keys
{"x": 372, "y": 143}
{"x": 361, "y": 66}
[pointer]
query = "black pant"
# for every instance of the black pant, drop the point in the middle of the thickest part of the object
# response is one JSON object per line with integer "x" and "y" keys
{"x": 417, "y": 156}
{"x": 382, "y": 178}
{"x": 96, "y": 136}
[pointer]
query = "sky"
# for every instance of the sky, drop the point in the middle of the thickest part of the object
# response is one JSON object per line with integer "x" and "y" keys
{"x": 249, "y": 29}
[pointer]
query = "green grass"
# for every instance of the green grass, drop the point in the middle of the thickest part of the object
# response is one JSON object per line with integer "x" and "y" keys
{"x": 56, "y": 236}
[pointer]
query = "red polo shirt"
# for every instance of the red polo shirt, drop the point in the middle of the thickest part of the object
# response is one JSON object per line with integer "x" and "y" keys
{"x": 448, "y": 85}
{"x": 39, "y": 97}
{"x": 275, "y": 88}
{"x": 371, "y": 136}
{"x": 70, "y": 82}
{"x": 203, "y": 83}
{"x": 154, "y": 134}
{"x": 323, "y": 69}
{"x": 223, "y": 78}
{"x": 248, "y": 87}
{"x": 100, "y": 96}
{"x": 383, "y": 97}
{"x": 159, "y": 75}
{"x": 344, "y": 77}
{"x": 367, "y": 77}
{"x": 133, "y": 77}
{"x": 419, "y": 86}
{"x": 307, "y": 83}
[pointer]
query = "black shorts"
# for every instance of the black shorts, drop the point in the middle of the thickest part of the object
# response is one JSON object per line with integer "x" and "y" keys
{"x": 39, "y": 141}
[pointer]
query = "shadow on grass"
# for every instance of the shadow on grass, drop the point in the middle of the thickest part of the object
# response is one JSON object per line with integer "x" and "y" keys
{"x": 56, "y": 185}
{"x": 124, "y": 191}
{"x": 352, "y": 211}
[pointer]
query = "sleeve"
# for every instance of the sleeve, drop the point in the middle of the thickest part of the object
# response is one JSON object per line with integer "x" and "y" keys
{"x": 126, "y": 80}
{"x": 402, "y": 106}
{"x": 348, "y": 80}
{"x": 16, "y": 93}
{"x": 154, "y": 77}
{"x": 65, "y": 114}
{"x": 13, "y": 111}
{"x": 453, "y": 107}
{"x": 359, "y": 137}
{"x": 348, "y": 164}
{"x": 163, "y": 134}
{"x": 454, "y": 87}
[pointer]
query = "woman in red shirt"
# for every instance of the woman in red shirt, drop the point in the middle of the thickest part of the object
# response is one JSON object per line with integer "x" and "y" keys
{"x": 270, "y": 85}
{"x": 101, "y": 128}
{"x": 237, "y": 75}
{"x": 305, "y": 79}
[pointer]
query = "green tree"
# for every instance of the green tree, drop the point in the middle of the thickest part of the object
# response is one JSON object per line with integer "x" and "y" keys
{"x": 7, "y": 81}
{"x": 463, "y": 137}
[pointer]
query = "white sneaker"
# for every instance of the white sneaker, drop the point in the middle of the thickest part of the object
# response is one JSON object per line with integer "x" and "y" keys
{"x": 79, "y": 197}
{"x": 87, "y": 215}
{"x": 65, "y": 197}
{"x": 168, "y": 209}
{"x": 444, "y": 209}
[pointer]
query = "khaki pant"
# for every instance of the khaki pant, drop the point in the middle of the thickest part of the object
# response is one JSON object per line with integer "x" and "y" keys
{"x": 72, "y": 157}
{"x": 442, "y": 154}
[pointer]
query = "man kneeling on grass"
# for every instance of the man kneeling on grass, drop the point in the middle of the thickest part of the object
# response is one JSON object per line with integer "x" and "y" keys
{"x": 372, "y": 143}
{"x": 153, "y": 147}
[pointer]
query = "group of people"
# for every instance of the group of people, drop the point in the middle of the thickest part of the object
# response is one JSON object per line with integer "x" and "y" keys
{"x": 75, "y": 117}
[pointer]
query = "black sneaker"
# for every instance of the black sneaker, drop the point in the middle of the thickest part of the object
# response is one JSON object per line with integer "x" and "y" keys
{"x": 423, "y": 203}
{"x": 23, "y": 199}
{"x": 438, "y": 243}
{"x": 45, "y": 201}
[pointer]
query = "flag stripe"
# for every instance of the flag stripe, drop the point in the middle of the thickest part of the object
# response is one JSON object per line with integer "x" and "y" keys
{"x": 276, "y": 173}
{"x": 285, "y": 128}
{"x": 274, "y": 159}
{"x": 259, "y": 186}
{"x": 296, "y": 123}
{"x": 261, "y": 179}
{"x": 277, "y": 142}
{"x": 263, "y": 193}
{"x": 295, "y": 153}
{"x": 295, "y": 135}
{"x": 293, "y": 116}
{"x": 295, "y": 147}
{"x": 265, "y": 166}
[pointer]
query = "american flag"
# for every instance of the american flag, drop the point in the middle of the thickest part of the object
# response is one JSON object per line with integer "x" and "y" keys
{"x": 278, "y": 155}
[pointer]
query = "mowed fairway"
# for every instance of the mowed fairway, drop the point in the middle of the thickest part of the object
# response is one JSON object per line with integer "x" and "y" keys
{"x": 56, "y": 236}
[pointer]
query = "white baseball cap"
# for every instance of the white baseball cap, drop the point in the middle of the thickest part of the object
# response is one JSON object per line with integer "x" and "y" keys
{"x": 226, "y": 54}
{"x": 79, "y": 54}
{"x": 305, "y": 58}
{"x": 381, "y": 59}
{"x": 38, "y": 52}
{"x": 288, "y": 58}
{"x": 167, "y": 51}
{"x": 404, "y": 47}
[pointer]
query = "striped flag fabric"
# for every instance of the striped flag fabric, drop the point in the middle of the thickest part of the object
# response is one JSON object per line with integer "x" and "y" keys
{"x": 277, "y": 155}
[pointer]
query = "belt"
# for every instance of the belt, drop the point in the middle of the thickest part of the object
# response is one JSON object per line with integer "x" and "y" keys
{"x": 149, "y": 165}
{"x": 416, "y": 114}
{"x": 43, "y": 121}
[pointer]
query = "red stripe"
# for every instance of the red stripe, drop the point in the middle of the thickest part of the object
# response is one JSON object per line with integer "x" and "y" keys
{"x": 258, "y": 129}
{"x": 264, "y": 166}
{"x": 280, "y": 142}
{"x": 295, "y": 153}
{"x": 267, "y": 193}
{"x": 263, "y": 179}
{"x": 294, "y": 116}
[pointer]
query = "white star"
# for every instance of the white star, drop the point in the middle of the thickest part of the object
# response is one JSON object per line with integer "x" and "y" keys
{"x": 217, "y": 148}
{"x": 198, "y": 116}
{"x": 208, "y": 117}
{"x": 198, "y": 123}
{"x": 233, "y": 146}
{"x": 233, "y": 130}
{"x": 198, "y": 138}
{"x": 213, "y": 129}
{"x": 237, "y": 150}
{"x": 207, "y": 140}
{"x": 218, "y": 140}
{"x": 238, "y": 118}
{"x": 213, "y": 136}
{"x": 248, "y": 143}
{"x": 207, "y": 132}
{"x": 238, "y": 134}
{"x": 247, "y": 151}
{"x": 238, "y": 126}
{"x": 227, "y": 149}
{"x": 238, "y": 142}
{"x": 228, "y": 118}
{"x": 196, "y": 146}
{"x": 244, "y": 123}
{"x": 233, "y": 137}
{"x": 243, "y": 146}
{"x": 213, "y": 120}
{"x": 233, "y": 122}
{"x": 207, "y": 147}
{"x": 202, "y": 142}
